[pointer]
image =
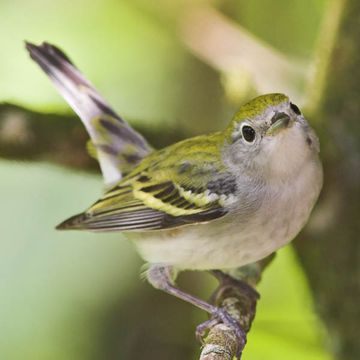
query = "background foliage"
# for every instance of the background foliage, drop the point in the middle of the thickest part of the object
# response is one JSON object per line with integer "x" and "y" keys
{"x": 76, "y": 295}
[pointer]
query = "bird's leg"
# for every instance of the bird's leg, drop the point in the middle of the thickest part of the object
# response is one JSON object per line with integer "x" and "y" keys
{"x": 236, "y": 293}
{"x": 161, "y": 277}
{"x": 245, "y": 297}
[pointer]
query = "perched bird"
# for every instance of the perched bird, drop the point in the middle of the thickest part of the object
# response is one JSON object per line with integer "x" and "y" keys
{"x": 215, "y": 201}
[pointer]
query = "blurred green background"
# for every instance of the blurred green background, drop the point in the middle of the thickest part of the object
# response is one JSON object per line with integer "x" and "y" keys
{"x": 77, "y": 295}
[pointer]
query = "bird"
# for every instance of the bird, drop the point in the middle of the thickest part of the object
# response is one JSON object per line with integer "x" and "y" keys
{"x": 213, "y": 202}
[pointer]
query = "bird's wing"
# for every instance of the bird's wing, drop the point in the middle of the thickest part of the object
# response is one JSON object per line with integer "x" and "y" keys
{"x": 161, "y": 193}
{"x": 118, "y": 146}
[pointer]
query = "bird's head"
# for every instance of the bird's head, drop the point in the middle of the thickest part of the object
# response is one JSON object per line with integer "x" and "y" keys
{"x": 270, "y": 136}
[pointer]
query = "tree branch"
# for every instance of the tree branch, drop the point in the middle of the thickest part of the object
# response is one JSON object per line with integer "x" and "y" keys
{"x": 221, "y": 342}
{"x": 239, "y": 56}
{"x": 28, "y": 135}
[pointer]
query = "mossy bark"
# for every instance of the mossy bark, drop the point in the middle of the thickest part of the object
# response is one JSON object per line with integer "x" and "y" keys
{"x": 329, "y": 248}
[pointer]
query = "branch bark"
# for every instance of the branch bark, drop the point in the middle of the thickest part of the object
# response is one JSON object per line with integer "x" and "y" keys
{"x": 28, "y": 135}
{"x": 221, "y": 342}
{"x": 33, "y": 136}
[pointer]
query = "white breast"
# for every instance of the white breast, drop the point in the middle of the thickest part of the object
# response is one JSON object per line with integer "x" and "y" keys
{"x": 232, "y": 241}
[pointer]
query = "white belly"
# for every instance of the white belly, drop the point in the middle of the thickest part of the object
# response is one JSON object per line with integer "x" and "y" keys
{"x": 232, "y": 241}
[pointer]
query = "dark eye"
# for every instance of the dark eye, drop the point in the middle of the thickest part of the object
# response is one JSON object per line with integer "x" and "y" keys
{"x": 295, "y": 109}
{"x": 248, "y": 133}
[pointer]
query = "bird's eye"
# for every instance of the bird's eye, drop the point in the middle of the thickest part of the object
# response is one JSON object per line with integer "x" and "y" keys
{"x": 295, "y": 109}
{"x": 248, "y": 133}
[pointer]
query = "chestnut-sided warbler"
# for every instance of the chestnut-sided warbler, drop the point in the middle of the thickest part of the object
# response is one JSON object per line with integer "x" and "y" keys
{"x": 215, "y": 201}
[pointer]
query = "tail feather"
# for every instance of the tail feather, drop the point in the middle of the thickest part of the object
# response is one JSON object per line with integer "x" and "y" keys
{"x": 73, "y": 223}
{"x": 118, "y": 146}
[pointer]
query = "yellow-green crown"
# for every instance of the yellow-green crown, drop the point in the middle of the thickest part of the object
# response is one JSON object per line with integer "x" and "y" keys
{"x": 255, "y": 108}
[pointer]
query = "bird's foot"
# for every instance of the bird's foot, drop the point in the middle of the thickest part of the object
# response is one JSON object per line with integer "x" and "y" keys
{"x": 221, "y": 316}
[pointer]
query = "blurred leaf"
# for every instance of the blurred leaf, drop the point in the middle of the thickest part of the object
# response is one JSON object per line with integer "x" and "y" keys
{"x": 127, "y": 54}
{"x": 54, "y": 284}
{"x": 285, "y": 326}
{"x": 288, "y": 25}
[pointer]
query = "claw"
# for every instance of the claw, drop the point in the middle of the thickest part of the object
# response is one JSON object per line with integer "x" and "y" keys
{"x": 203, "y": 328}
{"x": 220, "y": 315}
{"x": 232, "y": 323}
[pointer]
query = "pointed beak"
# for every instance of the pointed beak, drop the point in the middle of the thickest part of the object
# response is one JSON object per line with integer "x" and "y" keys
{"x": 279, "y": 122}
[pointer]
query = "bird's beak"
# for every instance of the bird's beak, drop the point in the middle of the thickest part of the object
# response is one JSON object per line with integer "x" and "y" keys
{"x": 279, "y": 122}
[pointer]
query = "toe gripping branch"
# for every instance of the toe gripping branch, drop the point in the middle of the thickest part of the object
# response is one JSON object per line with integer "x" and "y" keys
{"x": 232, "y": 307}
{"x": 237, "y": 296}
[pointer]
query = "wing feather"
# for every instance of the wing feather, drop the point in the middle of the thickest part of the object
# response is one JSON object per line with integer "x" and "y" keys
{"x": 143, "y": 210}
{"x": 159, "y": 194}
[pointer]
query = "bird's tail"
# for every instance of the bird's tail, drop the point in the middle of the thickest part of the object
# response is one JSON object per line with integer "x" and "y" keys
{"x": 118, "y": 146}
